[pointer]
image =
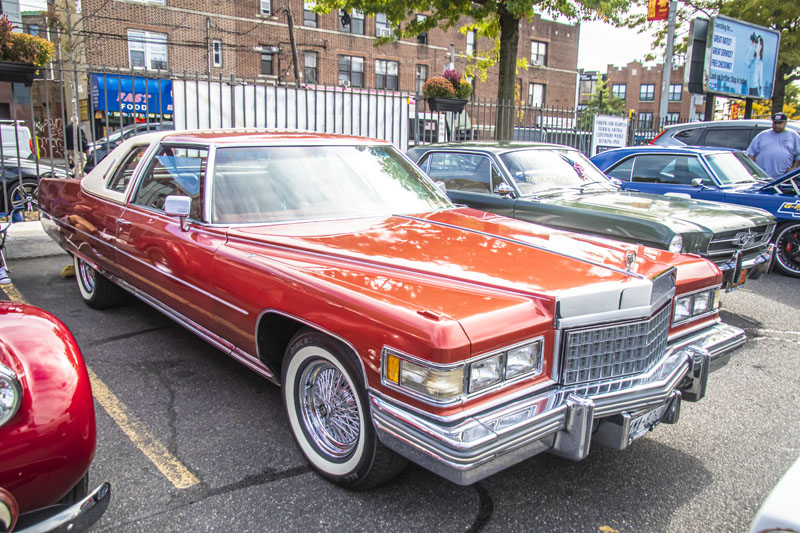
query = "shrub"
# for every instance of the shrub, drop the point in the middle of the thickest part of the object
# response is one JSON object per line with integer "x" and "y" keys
{"x": 464, "y": 90}
{"x": 438, "y": 87}
{"x": 22, "y": 47}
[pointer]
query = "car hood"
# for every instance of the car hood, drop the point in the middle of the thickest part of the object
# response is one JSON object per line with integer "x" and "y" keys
{"x": 466, "y": 245}
{"x": 679, "y": 214}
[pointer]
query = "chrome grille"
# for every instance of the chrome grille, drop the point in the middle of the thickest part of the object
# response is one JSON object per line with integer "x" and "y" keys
{"x": 614, "y": 351}
{"x": 724, "y": 244}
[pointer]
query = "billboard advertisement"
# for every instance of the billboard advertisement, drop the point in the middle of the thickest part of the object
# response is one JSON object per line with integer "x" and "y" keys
{"x": 741, "y": 58}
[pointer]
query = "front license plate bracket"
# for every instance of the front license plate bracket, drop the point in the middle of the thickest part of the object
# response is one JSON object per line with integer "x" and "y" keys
{"x": 620, "y": 430}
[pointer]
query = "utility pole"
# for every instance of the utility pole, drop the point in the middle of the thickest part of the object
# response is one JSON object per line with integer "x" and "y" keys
{"x": 665, "y": 79}
{"x": 75, "y": 119}
{"x": 290, "y": 20}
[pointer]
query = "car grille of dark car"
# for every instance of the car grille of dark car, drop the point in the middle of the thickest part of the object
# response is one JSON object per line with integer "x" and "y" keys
{"x": 724, "y": 244}
{"x": 615, "y": 351}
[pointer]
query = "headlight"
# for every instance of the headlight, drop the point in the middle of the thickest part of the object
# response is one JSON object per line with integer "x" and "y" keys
{"x": 445, "y": 384}
{"x": 696, "y": 304}
{"x": 10, "y": 394}
{"x": 676, "y": 244}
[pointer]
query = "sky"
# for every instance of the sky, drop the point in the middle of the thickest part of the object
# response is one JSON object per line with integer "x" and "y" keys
{"x": 602, "y": 44}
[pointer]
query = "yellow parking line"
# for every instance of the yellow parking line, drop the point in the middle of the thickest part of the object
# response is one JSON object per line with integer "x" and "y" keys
{"x": 167, "y": 464}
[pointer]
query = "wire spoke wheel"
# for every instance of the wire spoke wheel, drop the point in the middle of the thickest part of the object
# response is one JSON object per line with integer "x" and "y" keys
{"x": 87, "y": 276}
{"x": 329, "y": 409}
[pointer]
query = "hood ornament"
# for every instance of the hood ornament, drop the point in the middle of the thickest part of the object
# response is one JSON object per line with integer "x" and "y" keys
{"x": 630, "y": 260}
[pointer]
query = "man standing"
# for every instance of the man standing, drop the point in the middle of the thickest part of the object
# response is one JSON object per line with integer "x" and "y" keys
{"x": 777, "y": 151}
{"x": 76, "y": 152}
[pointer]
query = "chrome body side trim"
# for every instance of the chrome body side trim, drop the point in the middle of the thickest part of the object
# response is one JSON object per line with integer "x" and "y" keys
{"x": 560, "y": 420}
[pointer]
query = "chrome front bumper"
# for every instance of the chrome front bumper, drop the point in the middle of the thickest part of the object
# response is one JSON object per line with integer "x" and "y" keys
{"x": 61, "y": 518}
{"x": 562, "y": 421}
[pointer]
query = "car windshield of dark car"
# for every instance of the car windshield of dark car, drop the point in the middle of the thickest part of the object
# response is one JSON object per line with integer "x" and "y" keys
{"x": 735, "y": 167}
{"x": 537, "y": 171}
{"x": 293, "y": 183}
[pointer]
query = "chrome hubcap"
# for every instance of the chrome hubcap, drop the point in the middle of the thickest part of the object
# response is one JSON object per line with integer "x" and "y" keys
{"x": 329, "y": 409}
{"x": 86, "y": 274}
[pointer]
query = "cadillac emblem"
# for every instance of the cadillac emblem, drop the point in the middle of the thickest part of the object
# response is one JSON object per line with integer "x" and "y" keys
{"x": 630, "y": 260}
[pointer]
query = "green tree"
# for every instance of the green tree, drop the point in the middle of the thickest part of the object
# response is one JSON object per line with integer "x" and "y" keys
{"x": 602, "y": 102}
{"x": 779, "y": 15}
{"x": 498, "y": 20}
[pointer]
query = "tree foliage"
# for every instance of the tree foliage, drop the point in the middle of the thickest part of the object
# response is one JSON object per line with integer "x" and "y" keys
{"x": 497, "y": 20}
{"x": 602, "y": 102}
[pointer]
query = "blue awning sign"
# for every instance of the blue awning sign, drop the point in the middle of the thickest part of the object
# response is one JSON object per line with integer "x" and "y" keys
{"x": 127, "y": 94}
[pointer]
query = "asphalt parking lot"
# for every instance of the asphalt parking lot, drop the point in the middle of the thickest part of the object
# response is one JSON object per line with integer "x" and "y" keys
{"x": 192, "y": 441}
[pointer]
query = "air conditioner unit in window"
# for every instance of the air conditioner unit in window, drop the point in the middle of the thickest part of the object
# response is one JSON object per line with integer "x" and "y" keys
{"x": 344, "y": 83}
{"x": 384, "y": 32}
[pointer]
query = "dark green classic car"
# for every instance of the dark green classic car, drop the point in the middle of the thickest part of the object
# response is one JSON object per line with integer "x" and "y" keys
{"x": 558, "y": 186}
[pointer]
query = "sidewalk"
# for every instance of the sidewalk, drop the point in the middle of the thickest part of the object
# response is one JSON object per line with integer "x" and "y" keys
{"x": 28, "y": 239}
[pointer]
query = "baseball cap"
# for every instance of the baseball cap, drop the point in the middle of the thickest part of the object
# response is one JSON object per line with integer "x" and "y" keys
{"x": 779, "y": 117}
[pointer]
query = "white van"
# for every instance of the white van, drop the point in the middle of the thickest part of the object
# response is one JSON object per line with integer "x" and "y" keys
{"x": 15, "y": 136}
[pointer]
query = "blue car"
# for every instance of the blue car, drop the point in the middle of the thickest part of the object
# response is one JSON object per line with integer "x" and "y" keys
{"x": 714, "y": 174}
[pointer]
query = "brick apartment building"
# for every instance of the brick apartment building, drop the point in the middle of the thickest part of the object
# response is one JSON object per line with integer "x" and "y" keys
{"x": 641, "y": 88}
{"x": 250, "y": 39}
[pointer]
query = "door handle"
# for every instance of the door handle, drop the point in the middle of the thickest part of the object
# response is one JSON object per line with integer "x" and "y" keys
{"x": 123, "y": 222}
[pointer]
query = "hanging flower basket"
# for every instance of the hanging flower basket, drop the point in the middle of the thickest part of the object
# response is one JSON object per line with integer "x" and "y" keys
{"x": 456, "y": 105}
{"x": 15, "y": 72}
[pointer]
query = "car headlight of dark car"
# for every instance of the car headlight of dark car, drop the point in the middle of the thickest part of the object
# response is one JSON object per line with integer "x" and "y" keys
{"x": 676, "y": 244}
{"x": 10, "y": 394}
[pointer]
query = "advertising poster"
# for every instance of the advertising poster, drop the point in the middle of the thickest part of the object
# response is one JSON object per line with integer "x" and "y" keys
{"x": 609, "y": 132}
{"x": 741, "y": 58}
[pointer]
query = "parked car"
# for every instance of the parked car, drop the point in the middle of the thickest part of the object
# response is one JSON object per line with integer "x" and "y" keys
{"x": 16, "y": 192}
{"x": 16, "y": 139}
{"x": 558, "y": 186}
{"x": 399, "y": 325}
{"x": 97, "y": 150}
{"x": 47, "y": 426}
{"x": 717, "y": 175}
{"x": 735, "y": 134}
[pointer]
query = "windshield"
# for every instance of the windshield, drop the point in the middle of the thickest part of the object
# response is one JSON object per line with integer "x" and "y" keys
{"x": 291, "y": 183}
{"x": 735, "y": 167}
{"x": 539, "y": 170}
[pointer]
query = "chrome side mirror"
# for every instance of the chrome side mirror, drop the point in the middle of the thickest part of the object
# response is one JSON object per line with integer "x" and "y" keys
{"x": 504, "y": 190}
{"x": 442, "y": 186}
{"x": 697, "y": 182}
{"x": 178, "y": 206}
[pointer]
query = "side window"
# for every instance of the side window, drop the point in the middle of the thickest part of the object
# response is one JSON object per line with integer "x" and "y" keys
{"x": 622, "y": 171}
{"x": 690, "y": 136}
{"x": 497, "y": 178}
{"x": 738, "y": 138}
{"x": 673, "y": 169}
{"x": 119, "y": 181}
{"x": 462, "y": 172}
{"x": 174, "y": 170}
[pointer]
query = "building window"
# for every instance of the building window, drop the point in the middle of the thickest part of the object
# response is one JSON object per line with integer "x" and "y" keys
{"x": 351, "y": 71}
{"x": 309, "y": 17}
{"x": 310, "y": 59}
{"x": 352, "y": 22}
{"x": 382, "y": 27}
{"x": 647, "y": 92}
{"x": 147, "y": 50}
{"x": 470, "y": 43}
{"x": 267, "y": 61}
{"x": 386, "y": 74}
{"x": 538, "y": 54}
{"x": 619, "y": 90}
{"x": 587, "y": 88}
{"x": 646, "y": 121}
{"x": 33, "y": 29}
{"x": 672, "y": 118}
{"x": 266, "y": 7}
{"x": 216, "y": 53}
{"x": 675, "y": 90}
{"x": 536, "y": 94}
{"x": 422, "y": 38}
{"x": 422, "y": 76}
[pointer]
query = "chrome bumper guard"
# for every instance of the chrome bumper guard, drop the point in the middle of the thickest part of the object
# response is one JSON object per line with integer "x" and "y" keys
{"x": 755, "y": 267}
{"x": 61, "y": 518}
{"x": 562, "y": 421}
